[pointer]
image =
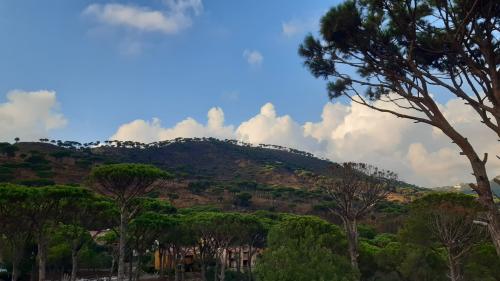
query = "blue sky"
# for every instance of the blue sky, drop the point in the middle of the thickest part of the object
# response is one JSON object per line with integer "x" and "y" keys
{"x": 105, "y": 75}
{"x": 158, "y": 69}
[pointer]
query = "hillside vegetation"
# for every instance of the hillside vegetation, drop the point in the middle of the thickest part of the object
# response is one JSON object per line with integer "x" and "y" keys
{"x": 226, "y": 174}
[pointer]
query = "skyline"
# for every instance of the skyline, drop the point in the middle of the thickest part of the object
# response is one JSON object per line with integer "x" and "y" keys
{"x": 82, "y": 70}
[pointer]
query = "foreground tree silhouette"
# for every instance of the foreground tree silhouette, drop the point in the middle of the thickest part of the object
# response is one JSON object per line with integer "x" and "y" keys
{"x": 123, "y": 183}
{"x": 401, "y": 52}
{"x": 358, "y": 188}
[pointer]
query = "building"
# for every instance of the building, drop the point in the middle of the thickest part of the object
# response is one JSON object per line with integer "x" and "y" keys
{"x": 234, "y": 258}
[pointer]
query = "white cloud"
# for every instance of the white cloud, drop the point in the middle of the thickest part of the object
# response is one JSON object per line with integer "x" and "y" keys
{"x": 419, "y": 153}
{"x": 177, "y": 15}
{"x": 269, "y": 128}
{"x": 295, "y": 27}
{"x": 150, "y": 131}
{"x": 253, "y": 57}
{"x": 29, "y": 115}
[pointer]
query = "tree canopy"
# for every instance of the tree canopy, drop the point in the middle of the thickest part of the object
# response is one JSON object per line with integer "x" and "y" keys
{"x": 403, "y": 56}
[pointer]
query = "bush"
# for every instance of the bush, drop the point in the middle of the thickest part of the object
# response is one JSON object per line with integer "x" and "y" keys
{"x": 247, "y": 185}
{"x": 198, "y": 187}
{"x": 243, "y": 199}
{"x": 6, "y": 174}
{"x": 366, "y": 231}
{"x": 45, "y": 174}
{"x": 8, "y": 149}
{"x": 235, "y": 276}
{"x": 36, "y": 159}
{"x": 36, "y": 182}
{"x": 392, "y": 207}
{"x": 61, "y": 154}
{"x": 84, "y": 163}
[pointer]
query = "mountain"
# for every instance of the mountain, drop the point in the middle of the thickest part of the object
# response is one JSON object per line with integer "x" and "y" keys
{"x": 465, "y": 187}
{"x": 208, "y": 171}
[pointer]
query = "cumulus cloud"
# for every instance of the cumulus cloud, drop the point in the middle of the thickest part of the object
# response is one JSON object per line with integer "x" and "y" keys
{"x": 150, "y": 131}
{"x": 29, "y": 115}
{"x": 176, "y": 16}
{"x": 270, "y": 128}
{"x": 419, "y": 153}
{"x": 253, "y": 57}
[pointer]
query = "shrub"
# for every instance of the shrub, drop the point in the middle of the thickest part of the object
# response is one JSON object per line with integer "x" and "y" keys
{"x": 243, "y": 199}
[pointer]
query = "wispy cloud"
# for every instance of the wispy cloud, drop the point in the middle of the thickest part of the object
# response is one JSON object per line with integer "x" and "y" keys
{"x": 293, "y": 28}
{"x": 253, "y": 57}
{"x": 176, "y": 16}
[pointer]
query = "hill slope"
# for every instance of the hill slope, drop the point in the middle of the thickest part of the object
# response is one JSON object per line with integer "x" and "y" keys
{"x": 210, "y": 171}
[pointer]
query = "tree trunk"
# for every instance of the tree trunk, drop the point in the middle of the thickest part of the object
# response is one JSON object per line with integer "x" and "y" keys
{"x": 16, "y": 259}
{"x": 138, "y": 267}
{"x": 131, "y": 265}
{"x": 351, "y": 230}
{"x": 112, "y": 267}
{"x": 249, "y": 267}
{"x": 176, "y": 278}
{"x": 203, "y": 272}
{"x": 238, "y": 266}
{"x": 121, "y": 250}
{"x": 15, "y": 272}
{"x": 482, "y": 186}
{"x": 161, "y": 258}
{"x": 454, "y": 266}
{"x": 223, "y": 267}
{"x": 216, "y": 275}
{"x": 494, "y": 227}
{"x": 74, "y": 264}
{"x": 41, "y": 259}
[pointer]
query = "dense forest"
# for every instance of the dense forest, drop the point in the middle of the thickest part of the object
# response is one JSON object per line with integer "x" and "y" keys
{"x": 109, "y": 219}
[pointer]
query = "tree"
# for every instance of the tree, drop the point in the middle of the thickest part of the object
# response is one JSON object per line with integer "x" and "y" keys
{"x": 152, "y": 219}
{"x": 123, "y": 183}
{"x": 406, "y": 54}
{"x": 200, "y": 224}
{"x": 89, "y": 212}
{"x": 15, "y": 225}
{"x": 357, "y": 190}
{"x": 243, "y": 199}
{"x": 216, "y": 232}
{"x": 47, "y": 208}
{"x": 8, "y": 149}
{"x": 177, "y": 240}
{"x": 446, "y": 220}
{"x": 304, "y": 249}
{"x": 35, "y": 210}
{"x": 254, "y": 236}
{"x": 110, "y": 241}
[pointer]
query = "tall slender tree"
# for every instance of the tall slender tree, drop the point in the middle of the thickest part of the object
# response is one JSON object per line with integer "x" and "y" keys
{"x": 357, "y": 188}
{"x": 90, "y": 212}
{"x": 123, "y": 183}
{"x": 45, "y": 209}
